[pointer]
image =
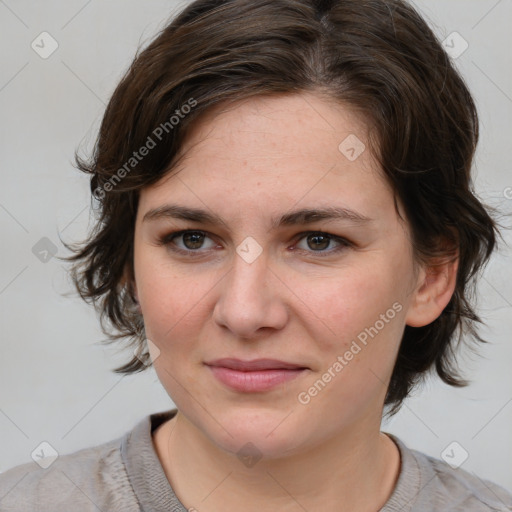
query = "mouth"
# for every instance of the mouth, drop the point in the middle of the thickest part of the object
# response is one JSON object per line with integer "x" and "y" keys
{"x": 254, "y": 376}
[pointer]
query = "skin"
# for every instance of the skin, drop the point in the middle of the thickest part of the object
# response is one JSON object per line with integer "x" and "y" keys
{"x": 250, "y": 163}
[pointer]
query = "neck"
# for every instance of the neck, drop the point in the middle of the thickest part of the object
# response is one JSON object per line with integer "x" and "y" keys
{"x": 356, "y": 470}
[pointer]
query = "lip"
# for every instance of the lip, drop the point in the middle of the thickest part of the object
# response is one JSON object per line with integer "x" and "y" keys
{"x": 254, "y": 365}
{"x": 254, "y": 376}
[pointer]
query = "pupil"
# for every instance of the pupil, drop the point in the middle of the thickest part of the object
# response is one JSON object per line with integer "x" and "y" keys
{"x": 317, "y": 239}
{"x": 193, "y": 240}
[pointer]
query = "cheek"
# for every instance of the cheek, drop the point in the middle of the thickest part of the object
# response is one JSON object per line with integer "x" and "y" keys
{"x": 170, "y": 307}
{"x": 343, "y": 306}
{"x": 357, "y": 328}
{"x": 170, "y": 301}
{"x": 358, "y": 337}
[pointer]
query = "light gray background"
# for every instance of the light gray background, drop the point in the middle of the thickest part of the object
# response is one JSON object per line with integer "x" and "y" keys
{"x": 55, "y": 378}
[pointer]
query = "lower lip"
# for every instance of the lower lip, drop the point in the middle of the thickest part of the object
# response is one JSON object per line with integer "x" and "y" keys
{"x": 255, "y": 381}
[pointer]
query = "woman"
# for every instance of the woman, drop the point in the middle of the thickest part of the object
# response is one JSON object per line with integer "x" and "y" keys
{"x": 288, "y": 233}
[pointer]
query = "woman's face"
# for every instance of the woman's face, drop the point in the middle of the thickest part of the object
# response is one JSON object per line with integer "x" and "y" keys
{"x": 253, "y": 281}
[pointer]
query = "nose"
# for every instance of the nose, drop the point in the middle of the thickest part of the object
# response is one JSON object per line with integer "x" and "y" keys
{"x": 251, "y": 299}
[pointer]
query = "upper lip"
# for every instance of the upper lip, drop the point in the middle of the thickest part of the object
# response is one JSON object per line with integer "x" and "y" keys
{"x": 254, "y": 365}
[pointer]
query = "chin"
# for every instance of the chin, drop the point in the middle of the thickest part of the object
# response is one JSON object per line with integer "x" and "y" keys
{"x": 257, "y": 430}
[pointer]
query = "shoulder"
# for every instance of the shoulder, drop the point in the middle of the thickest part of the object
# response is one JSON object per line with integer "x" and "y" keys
{"x": 437, "y": 486}
{"x": 87, "y": 480}
{"x": 466, "y": 490}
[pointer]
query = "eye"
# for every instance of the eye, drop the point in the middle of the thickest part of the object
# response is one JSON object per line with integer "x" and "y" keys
{"x": 318, "y": 242}
{"x": 191, "y": 241}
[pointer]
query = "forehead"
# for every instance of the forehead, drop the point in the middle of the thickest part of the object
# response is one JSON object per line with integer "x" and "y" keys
{"x": 281, "y": 150}
{"x": 284, "y": 126}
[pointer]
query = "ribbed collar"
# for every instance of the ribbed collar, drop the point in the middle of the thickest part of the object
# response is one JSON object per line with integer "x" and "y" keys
{"x": 155, "y": 494}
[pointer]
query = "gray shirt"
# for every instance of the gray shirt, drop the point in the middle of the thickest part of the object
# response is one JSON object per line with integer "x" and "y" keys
{"x": 125, "y": 475}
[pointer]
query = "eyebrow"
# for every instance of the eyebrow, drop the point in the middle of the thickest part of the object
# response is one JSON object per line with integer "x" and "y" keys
{"x": 297, "y": 217}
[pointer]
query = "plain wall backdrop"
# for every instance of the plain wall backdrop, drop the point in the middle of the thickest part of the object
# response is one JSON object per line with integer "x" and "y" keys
{"x": 56, "y": 383}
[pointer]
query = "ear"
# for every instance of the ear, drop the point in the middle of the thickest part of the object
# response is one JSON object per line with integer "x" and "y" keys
{"x": 135, "y": 295}
{"x": 435, "y": 286}
{"x": 128, "y": 279}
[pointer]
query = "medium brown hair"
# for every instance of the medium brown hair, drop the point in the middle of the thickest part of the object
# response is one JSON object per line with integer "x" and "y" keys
{"x": 377, "y": 56}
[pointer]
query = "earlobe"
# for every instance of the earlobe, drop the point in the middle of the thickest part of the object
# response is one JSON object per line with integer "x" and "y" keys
{"x": 135, "y": 298}
{"x": 435, "y": 288}
{"x": 133, "y": 292}
{"x": 129, "y": 281}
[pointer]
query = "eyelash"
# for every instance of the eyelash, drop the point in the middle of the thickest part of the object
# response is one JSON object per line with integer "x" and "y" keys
{"x": 167, "y": 240}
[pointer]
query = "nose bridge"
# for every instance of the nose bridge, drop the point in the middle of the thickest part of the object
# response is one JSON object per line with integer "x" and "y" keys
{"x": 248, "y": 300}
{"x": 250, "y": 270}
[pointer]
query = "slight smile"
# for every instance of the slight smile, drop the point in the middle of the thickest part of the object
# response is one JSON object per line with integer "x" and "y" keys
{"x": 254, "y": 376}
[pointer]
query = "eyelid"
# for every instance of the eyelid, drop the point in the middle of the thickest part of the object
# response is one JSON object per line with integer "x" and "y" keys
{"x": 167, "y": 240}
{"x": 342, "y": 242}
